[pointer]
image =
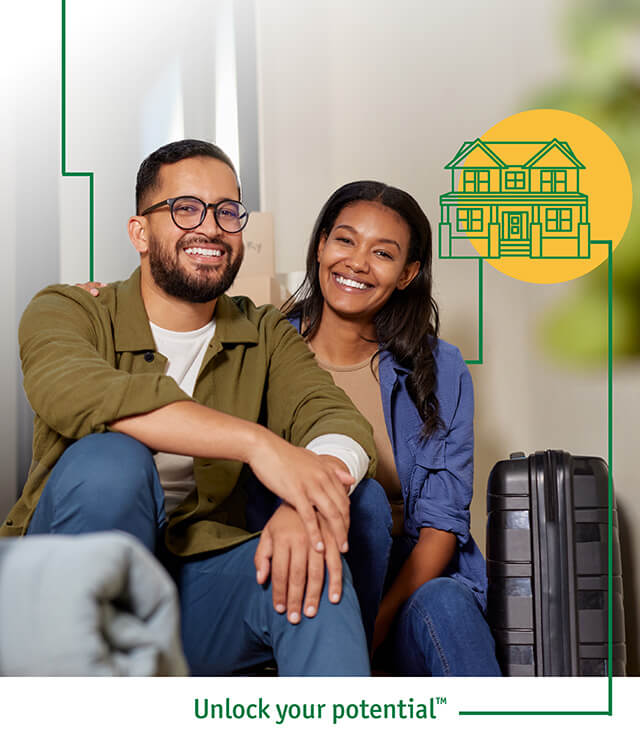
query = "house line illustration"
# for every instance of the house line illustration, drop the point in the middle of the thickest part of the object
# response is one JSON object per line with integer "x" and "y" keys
{"x": 515, "y": 199}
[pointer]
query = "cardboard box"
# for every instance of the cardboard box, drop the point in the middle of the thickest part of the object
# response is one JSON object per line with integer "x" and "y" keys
{"x": 260, "y": 289}
{"x": 259, "y": 248}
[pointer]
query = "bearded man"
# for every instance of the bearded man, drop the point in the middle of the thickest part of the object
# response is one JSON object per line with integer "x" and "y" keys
{"x": 156, "y": 403}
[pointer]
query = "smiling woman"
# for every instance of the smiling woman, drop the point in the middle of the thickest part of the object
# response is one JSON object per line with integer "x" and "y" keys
{"x": 378, "y": 238}
{"x": 367, "y": 312}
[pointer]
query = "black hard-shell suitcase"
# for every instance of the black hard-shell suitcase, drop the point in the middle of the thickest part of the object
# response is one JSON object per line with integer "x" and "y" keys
{"x": 547, "y": 566}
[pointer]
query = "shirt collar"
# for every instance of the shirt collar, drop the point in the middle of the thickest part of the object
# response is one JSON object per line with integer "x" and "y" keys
{"x": 131, "y": 324}
{"x": 232, "y": 325}
{"x": 389, "y": 364}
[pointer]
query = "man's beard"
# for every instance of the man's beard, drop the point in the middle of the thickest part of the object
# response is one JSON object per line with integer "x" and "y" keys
{"x": 206, "y": 284}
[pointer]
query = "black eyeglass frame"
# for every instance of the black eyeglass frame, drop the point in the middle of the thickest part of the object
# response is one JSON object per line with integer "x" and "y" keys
{"x": 205, "y": 206}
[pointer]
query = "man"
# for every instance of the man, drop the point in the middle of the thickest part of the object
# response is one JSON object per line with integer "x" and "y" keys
{"x": 165, "y": 362}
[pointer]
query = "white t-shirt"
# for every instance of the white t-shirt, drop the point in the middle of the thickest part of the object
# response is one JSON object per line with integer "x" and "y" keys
{"x": 184, "y": 352}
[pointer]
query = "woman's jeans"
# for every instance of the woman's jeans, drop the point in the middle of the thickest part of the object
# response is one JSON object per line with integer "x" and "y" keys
{"x": 440, "y": 630}
{"x": 109, "y": 481}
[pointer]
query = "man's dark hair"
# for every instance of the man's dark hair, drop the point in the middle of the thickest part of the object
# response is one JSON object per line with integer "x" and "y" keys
{"x": 174, "y": 152}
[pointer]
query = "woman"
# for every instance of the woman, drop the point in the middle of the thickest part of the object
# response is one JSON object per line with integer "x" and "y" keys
{"x": 367, "y": 312}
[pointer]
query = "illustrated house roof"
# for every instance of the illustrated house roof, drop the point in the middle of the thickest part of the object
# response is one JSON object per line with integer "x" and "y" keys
{"x": 479, "y": 153}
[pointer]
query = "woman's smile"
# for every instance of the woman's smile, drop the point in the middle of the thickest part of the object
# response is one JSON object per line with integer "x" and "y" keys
{"x": 350, "y": 284}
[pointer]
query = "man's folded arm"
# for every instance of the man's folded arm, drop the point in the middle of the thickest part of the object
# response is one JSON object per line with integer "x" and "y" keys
{"x": 77, "y": 391}
{"x": 191, "y": 429}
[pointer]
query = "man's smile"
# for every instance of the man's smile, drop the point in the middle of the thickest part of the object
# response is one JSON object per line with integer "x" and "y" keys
{"x": 207, "y": 255}
{"x": 206, "y": 252}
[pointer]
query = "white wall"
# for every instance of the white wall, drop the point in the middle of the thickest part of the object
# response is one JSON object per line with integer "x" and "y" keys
{"x": 8, "y": 363}
{"x": 29, "y": 152}
{"x": 388, "y": 90}
{"x": 138, "y": 75}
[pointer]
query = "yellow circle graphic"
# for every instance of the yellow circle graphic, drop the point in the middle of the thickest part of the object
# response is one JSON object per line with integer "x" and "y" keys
{"x": 538, "y": 195}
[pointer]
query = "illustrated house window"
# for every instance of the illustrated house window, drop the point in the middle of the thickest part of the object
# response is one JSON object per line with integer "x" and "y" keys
{"x": 553, "y": 181}
{"x": 514, "y": 180}
{"x": 559, "y": 220}
{"x": 475, "y": 181}
{"x": 469, "y": 220}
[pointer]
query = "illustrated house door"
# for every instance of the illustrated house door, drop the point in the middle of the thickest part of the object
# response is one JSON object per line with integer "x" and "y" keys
{"x": 516, "y": 225}
{"x": 515, "y": 240}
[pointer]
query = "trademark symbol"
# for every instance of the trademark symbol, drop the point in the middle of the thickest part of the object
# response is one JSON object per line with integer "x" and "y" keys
{"x": 441, "y": 701}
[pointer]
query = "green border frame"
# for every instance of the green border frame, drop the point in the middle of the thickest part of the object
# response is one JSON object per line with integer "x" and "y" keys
{"x": 609, "y": 711}
{"x": 63, "y": 135}
{"x": 478, "y": 361}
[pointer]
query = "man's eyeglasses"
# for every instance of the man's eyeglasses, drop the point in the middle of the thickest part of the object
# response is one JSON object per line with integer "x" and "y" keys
{"x": 188, "y": 212}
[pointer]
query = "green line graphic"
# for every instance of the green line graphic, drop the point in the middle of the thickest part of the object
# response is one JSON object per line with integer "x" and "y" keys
{"x": 479, "y": 361}
{"x": 63, "y": 133}
{"x": 609, "y": 711}
{"x": 610, "y": 465}
{"x": 534, "y": 713}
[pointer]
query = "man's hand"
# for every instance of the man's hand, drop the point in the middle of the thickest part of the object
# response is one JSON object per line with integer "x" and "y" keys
{"x": 297, "y": 570}
{"x": 305, "y": 480}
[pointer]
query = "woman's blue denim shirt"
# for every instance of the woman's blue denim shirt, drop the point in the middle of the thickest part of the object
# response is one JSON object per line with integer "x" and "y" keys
{"x": 436, "y": 474}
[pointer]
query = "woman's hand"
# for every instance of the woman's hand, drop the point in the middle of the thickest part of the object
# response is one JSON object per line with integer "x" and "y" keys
{"x": 92, "y": 287}
{"x": 427, "y": 560}
{"x": 384, "y": 619}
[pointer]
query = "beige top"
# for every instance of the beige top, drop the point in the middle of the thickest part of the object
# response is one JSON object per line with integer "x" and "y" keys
{"x": 361, "y": 384}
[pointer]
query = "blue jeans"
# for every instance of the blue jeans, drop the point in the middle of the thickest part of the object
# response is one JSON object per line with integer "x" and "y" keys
{"x": 440, "y": 630}
{"x": 109, "y": 481}
{"x": 369, "y": 539}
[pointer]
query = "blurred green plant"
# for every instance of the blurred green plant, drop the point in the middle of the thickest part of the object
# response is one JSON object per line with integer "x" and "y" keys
{"x": 603, "y": 85}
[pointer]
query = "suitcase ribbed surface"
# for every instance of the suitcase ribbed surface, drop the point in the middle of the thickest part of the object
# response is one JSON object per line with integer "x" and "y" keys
{"x": 547, "y": 552}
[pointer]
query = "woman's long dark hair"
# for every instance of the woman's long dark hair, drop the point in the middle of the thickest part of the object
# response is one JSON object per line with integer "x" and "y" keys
{"x": 408, "y": 324}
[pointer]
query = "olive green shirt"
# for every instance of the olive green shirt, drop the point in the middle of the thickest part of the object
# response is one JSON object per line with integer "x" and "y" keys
{"x": 90, "y": 361}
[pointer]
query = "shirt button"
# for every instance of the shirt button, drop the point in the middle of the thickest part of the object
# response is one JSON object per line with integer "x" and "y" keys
{"x": 148, "y": 356}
